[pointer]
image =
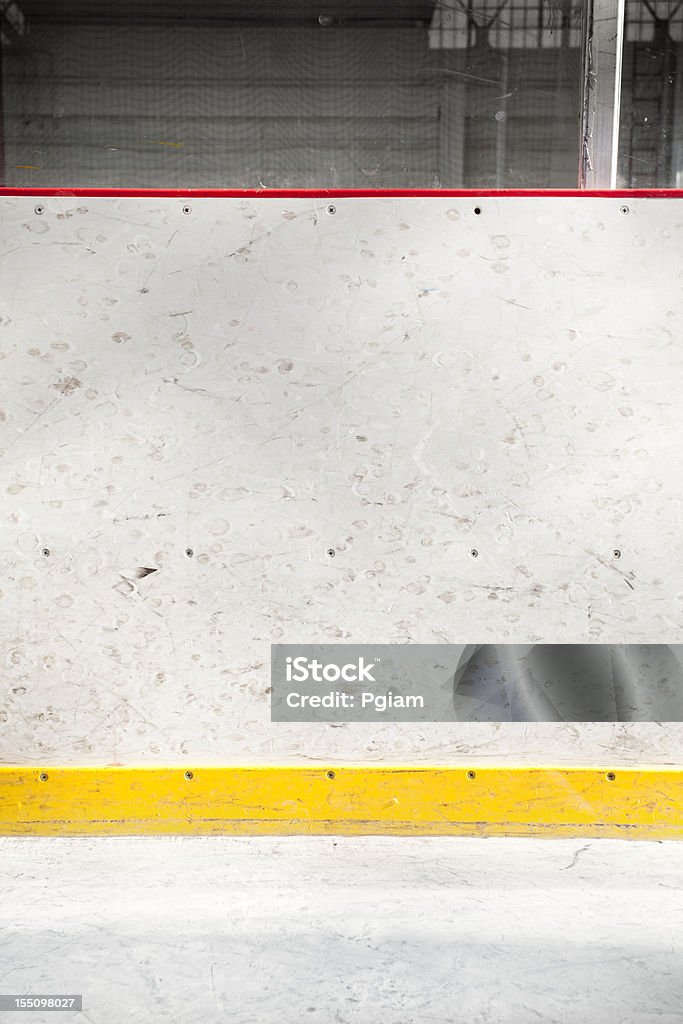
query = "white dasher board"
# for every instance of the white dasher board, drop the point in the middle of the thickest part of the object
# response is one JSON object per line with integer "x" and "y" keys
{"x": 360, "y": 419}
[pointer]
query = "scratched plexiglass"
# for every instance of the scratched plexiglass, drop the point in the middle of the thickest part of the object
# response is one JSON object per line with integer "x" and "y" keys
{"x": 354, "y": 94}
{"x": 651, "y": 128}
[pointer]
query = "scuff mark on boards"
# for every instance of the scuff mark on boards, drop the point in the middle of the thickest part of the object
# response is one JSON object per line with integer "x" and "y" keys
{"x": 144, "y": 570}
{"x": 67, "y": 385}
{"x": 127, "y": 585}
{"x": 148, "y": 515}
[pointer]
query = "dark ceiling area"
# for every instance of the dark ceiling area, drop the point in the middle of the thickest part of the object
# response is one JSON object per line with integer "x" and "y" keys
{"x": 325, "y": 13}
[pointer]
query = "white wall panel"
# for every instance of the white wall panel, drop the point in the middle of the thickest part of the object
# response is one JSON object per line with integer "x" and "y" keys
{"x": 261, "y": 381}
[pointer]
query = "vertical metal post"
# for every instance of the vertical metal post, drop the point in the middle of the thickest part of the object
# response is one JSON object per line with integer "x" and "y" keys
{"x": 603, "y": 46}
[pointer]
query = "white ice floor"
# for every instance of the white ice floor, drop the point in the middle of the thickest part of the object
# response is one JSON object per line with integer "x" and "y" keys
{"x": 340, "y": 931}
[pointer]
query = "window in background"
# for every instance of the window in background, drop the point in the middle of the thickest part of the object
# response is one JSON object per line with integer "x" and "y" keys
{"x": 651, "y": 129}
{"x": 510, "y": 91}
{"x": 352, "y": 94}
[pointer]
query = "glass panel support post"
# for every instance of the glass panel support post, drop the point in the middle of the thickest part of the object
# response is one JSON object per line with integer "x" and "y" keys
{"x": 603, "y": 44}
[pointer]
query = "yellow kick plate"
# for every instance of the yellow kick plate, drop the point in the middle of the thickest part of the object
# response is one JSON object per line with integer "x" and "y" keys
{"x": 641, "y": 803}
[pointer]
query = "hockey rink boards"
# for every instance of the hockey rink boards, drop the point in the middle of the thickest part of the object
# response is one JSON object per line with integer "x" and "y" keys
{"x": 231, "y": 422}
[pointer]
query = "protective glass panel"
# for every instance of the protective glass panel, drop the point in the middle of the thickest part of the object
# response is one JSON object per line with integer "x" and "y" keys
{"x": 651, "y": 130}
{"x": 371, "y": 94}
